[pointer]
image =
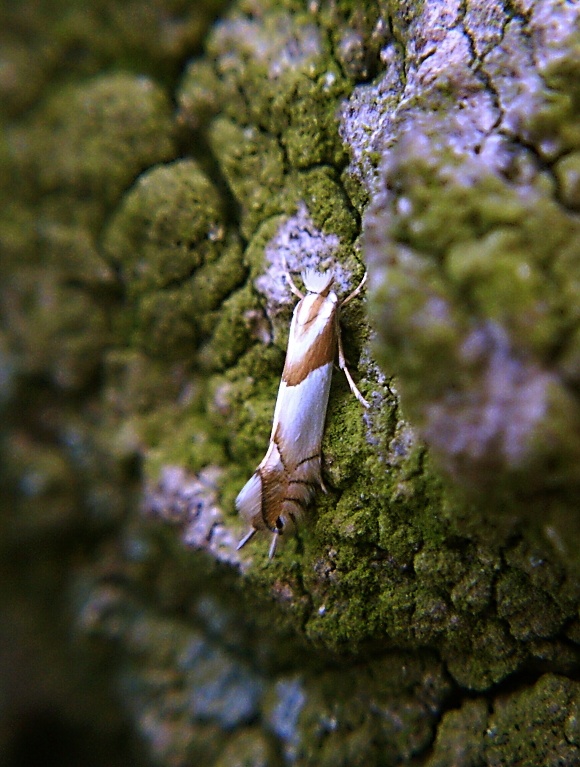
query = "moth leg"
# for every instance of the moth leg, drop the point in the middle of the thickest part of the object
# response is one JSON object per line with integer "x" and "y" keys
{"x": 356, "y": 291}
{"x": 290, "y": 281}
{"x": 342, "y": 366}
{"x": 246, "y": 538}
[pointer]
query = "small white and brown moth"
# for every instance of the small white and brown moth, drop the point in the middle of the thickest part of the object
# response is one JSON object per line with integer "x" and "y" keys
{"x": 285, "y": 482}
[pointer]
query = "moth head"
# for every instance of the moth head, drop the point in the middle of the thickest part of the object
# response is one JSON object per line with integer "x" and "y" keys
{"x": 317, "y": 282}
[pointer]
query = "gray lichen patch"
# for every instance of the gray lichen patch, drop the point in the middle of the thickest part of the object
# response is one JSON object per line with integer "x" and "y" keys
{"x": 297, "y": 244}
{"x": 208, "y": 691}
{"x": 191, "y": 502}
{"x": 474, "y": 315}
{"x": 429, "y": 67}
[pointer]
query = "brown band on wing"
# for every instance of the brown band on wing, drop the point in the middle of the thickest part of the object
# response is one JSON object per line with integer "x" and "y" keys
{"x": 313, "y": 312}
{"x": 321, "y": 352}
{"x": 298, "y": 501}
{"x": 277, "y": 439}
{"x": 305, "y": 482}
{"x": 309, "y": 458}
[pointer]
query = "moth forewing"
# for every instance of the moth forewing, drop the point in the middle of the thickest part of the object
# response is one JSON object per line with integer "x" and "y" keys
{"x": 285, "y": 482}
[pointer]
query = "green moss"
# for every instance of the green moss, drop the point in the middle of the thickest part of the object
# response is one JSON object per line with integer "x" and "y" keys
{"x": 567, "y": 172}
{"x": 480, "y": 653}
{"x": 278, "y": 103}
{"x": 472, "y": 592}
{"x": 310, "y": 133}
{"x": 356, "y": 718}
{"x": 57, "y": 331}
{"x": 135, "y": 384}
{"x": 240, "y": 322}
{"x": 176, "y": 260}
{"x": 327, "y": 203}
{"x": 496, "y": 271}
{"x": 515, "y": 600}
{"x": 358, "y": 31}
{"x": 452, "y": 302}
{"x": 168, "y": 226}
{"x": 47, "y": 483}
{"x": 85, "y": 145}
{"x": 553, "y": 126}
{"x": 345, "y": 430}
{"x": 72, "y": 159}
{"x": 460, "y": 736}
{"x": 534, "y": 726}
{"x": 401, "y": 15}
{"x": 253, "y": 164}
{"x": 152, "y": 319}
{"x": 248, "y": 748}
{"x": 46, "y": 44}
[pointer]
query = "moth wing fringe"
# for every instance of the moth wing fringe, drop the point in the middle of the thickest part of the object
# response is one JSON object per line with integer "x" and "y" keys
{"x": 249, "y": 500}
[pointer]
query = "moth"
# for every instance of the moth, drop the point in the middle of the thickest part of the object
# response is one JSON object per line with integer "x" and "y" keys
{"x": 286, "y": 480}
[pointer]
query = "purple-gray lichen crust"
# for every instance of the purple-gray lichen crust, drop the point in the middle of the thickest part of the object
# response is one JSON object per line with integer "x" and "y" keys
{"x": 473, "y": 246}
{"x": 161, "y": 163}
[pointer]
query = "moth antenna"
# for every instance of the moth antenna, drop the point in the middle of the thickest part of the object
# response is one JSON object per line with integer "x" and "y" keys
{"x": 289, "y": 280}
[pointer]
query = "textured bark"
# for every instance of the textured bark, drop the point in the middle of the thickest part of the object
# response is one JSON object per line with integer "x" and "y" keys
{"x": 426, "y": 612}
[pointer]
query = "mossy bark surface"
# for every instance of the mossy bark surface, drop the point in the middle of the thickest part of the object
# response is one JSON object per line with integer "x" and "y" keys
{"x": 161, "y": 163}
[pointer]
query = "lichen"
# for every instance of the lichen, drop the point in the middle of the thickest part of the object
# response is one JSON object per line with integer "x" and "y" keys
{"x": 425, "y": 611}
{"x": 536, "y": 725}
{"x": 175, "y": 258}
{"x": 84, "y": 145}
{"x": 54, "y": 43}
{"x": 478, "y": 316}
